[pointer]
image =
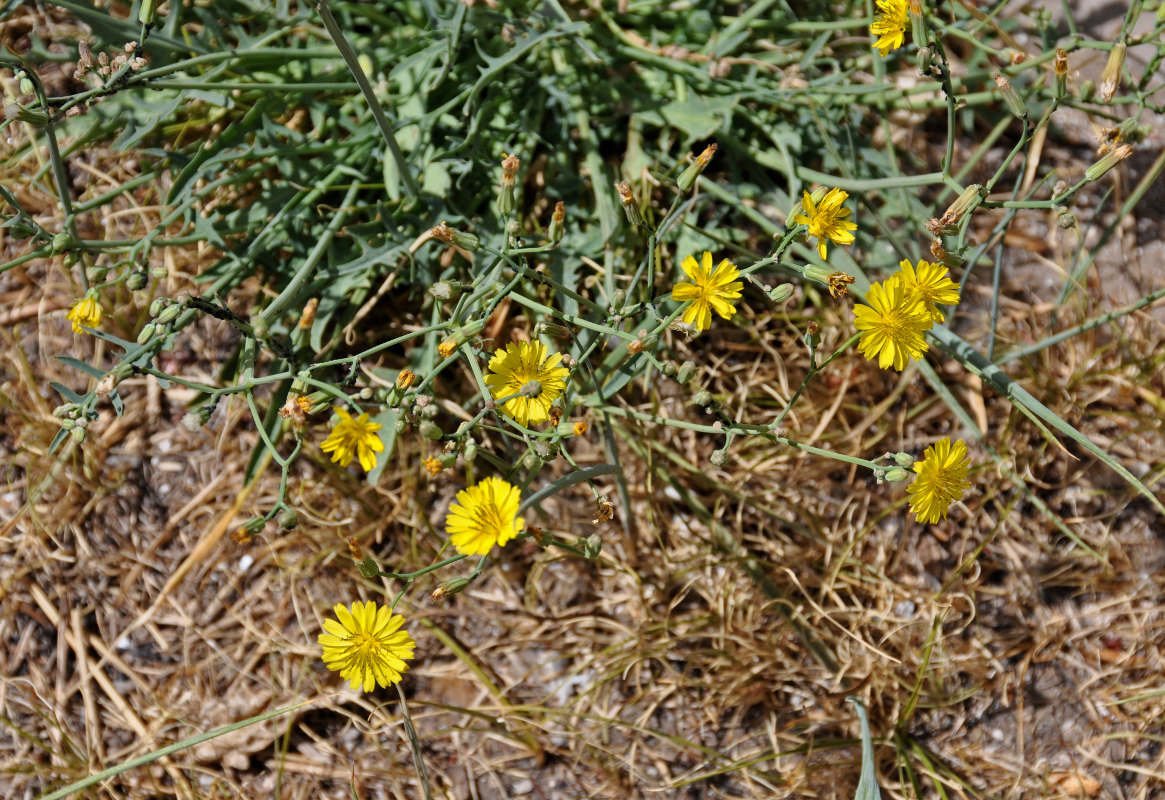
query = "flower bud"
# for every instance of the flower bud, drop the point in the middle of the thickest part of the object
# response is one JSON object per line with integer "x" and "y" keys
{"x": 1111, "y": 77}
{"x": 469, "y": 454}
{"x": 405, "y": 378}
{"x": 137, "y": 280}
{"x": 462, "y": 239}
{"x": 195, "y": 418}
{"x": 812, "y": 335}
{"x": 260, "y": 327}
{"x": 146, "y": 333}
{"x": 146, "y": 12}
{"x": 158, "y": 304}
{"x": 1014, "y": 103}
{"x": 669, "y": 369}
{"x": 591, "y": 545}
{"x": 288, "y": 519}
{"x": 78, "y": 434}
{"x": 532, "y": 462}
{"x": 781, "y": 292}
{"x": 719, "y": 458}
{"x": 369, "y": 568}
{"x": 62, "y": 241}
{"x": 896, "y": 474}
{"x": 904, "y": 459}
{"x": 688, "y": 177}
{"x": 918, "y": 23}
{"x": 431, "y": 430}
{"x": 449, "y": 587}
{"x": 168, "y": 314}
{"x": 685, "y": 372}
{"x": 703, "y": 398}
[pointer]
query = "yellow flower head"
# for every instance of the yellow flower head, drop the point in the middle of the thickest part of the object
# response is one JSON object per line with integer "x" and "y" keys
{"x": 931, "y": 284}
{"x": 708, "y": 290}
{"x": 827, "y": 219}
{"x": 484, "y": 515}
{"x": 892, "y": 325}
{"x": 433, "y": 465}
{"x": 942, "y": 479}
{"x": 890, "y": 25}
{"x": 84, "y": 312}
{"x": 354, "y": 438}
{"x": 524, "y": 369}
{"x": 365, "y": 646}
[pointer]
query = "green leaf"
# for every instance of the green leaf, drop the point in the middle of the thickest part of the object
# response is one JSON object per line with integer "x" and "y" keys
{"x": 868, "y": 783}
{"x": 67, "y": 393}
{"x": 88, "y": 369}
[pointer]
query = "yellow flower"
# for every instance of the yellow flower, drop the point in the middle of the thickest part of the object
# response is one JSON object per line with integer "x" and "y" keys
{"x": 447, "y": 347}
{"x": 930, "y": 284}
{"x": 84, "y": 312}
{"x": 484, "y": 515}
{"x": 942, "y": 479}
{"x": 433, "y": 465}
{"x": 827, "y": 219}
{"x": 709, "y": 290}
{"x": 892, "y": 325}
{"x": 890, "y": 25}
{"x": 354, "y": 438}
{"x": 405, "y": 378}
{"x": 524, "y": 369}
{"x": 365, "y": 646}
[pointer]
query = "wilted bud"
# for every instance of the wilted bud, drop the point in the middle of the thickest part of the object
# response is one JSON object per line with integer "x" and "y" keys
{"x": 507, "y": 190}
{"x": 309, "y": 314}
{"x": 557, "y": 223}
{"x": 449, "y": 587}
{"x": 552, "y": 329}
{"x": 669, "y": 369}
{"x": 924, "y": 60}
{"x": 719, "y": 458}
{"x": 641, "y": 344}
{"x": 1110, "y": 160}
{"x": 1066, "y": 219}
{"x": 688, "y": 177}
{"x": 457, "y": 238}
{"x": 1111, "y": 77}
{"x": 630, "y": 207}
{"x": 703, "y": 398}
{"x": 1061, "y": 70}
{"x": 812, "y": 335}
{"x": 591, "y": 546}
{"x": 781, "y": 292}
{"x": 1014, "y": 103}
{"x": 195, "y": 418}
{"x": 544, "y": 450}
{"x": 405, "y": 378}
{"x": 918, "y": 23}
{"x": 966, "y": 202}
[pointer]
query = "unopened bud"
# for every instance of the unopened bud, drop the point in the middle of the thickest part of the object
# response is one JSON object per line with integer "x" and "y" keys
{"x": 719, "y": 458}
{"x": 469, "y": 454}
{"x": 703, "y": 398}
{"x": 146, "y": 12}
{"x": 146, "y": 333}
{"x": 918, "y": 23}
{"x": 168, "y": 314}
{"x": 78, "y": 434}
{"x": 137, "y": 280}
{"x": 1111, "y": 77}
{"x": 532, "y": 462}
{"x": 669, "y": 369}
{"x": 781, "y": 292}
{"x": 430, "y": 430}
{"x": 896, "y": 474}
{"x": 369, "y": 568}
{"x": 62, "y": 241}
{"x": 288, "y": 519}
{"x": 685, "y": 372}
{"x": 688, "y": 177}
{"x": 904, "y": 459}
{"x": 195, "y": 418}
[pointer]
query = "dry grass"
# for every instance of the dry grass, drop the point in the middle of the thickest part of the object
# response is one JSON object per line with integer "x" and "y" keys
{"x": 706, "y": 653}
